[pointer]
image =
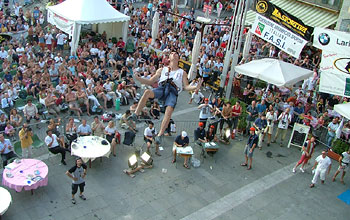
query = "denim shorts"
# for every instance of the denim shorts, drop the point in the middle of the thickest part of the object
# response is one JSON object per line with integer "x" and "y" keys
{"x": 166, "y": 93}
{"x": 247, "y": 151}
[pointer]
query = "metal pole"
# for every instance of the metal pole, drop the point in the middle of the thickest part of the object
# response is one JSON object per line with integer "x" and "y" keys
{"x": 230, "y": 45}
{"x": 237, "y": 47}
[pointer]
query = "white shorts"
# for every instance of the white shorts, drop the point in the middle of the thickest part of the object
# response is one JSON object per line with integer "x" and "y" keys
{"x": 345, "y": 167}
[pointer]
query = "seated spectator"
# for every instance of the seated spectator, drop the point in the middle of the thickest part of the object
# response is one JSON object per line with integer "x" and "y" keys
{"x": 155, "y": 110}
{"x": 127, "y": 122}
{"x": 15, "y": 118}
{"x": 30, "y": 111}
{"x": 181, "y": 141}
{"x": 56, "y": 146}
{"x": 71, "y": 99}
{"x": 84, "y": 129}
{"x": 210, "y": 134}
{"x": 199, "y": 134}
{"x": 9, "y": 130}
{"x": 197, "y": 97}
{"x": 97, "y": 127}
{"x": 71, "y": 131}
{"x": 52, "y": 107}
{"x": 111, "y": 135}
{"x": 6, "y": 150}
{"x": 148, "y": 135}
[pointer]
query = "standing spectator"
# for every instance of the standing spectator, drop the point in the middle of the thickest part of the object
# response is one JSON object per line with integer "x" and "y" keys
{"x": 344, "y": 161}
{"x": 48, "y": 40}
{"x": 249, "y": 148}
{"x": 205, "y": 111}
{"x": 252, "y": 111}
{"x": 6, "y": 150}
{"x": 84, "y": 129}
{"x": 77, "y": 173}
{"x": 260, "y": 125}
{"x": 236, "y": 112}
{"x": 225, "y": 117}
{"x": 307, "y": 151}
{"x": 25, "y": 136}
{"x": 332, "y": 128}
{"x": 323, "y": 162}
{"x": 61, "y": 37}
{"x": 284, "y": 120}
{"x": 30, "y": 111}
{"x": 55, "y": 145}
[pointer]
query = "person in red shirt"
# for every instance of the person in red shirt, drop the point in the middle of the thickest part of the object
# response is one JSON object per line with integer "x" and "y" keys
{"x": 101, "y": 44}
{"x": 236, "y": 112}
{"x": 219, "y": 53}
{"x": 121, "y": 43}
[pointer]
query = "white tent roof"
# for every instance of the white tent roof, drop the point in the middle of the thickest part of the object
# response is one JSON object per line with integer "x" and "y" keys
{"x": 88, "y": 11}
{"x": 274, "y": 71}
{"x": 343, "y": 109}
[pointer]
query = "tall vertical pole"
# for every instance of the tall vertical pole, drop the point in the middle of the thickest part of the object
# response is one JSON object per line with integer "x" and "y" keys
{"x": 237, "y": 49}
{"x": 230, "y": 44}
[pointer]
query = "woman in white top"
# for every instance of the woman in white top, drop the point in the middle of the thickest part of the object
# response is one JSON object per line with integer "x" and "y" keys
{"x": 111, "y": 135}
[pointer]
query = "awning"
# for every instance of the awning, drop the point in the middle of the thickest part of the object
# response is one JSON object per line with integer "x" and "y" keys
{"x": 312, "y": 16}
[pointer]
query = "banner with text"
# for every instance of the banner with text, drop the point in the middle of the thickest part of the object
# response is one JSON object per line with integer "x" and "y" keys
{"x": 61, "y": 23}
{"x": 284, "y": 19}
{"x": 278, "y": 36}
{"x": 335, "y": 61}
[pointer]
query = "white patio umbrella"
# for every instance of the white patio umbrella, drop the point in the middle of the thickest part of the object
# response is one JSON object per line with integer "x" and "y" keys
{"x": 274, "y": 71}
{"x": 247, "y": 44}
{"x": 343, "y": 110}
{"x": 155, "y": 27}
{"x": 195, "y": 53}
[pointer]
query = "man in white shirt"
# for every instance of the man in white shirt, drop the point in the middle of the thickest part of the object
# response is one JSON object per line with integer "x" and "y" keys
{"x": 323, "y": 163}
{"x": 344, "y": 162}
{"x": 108, "y": 86}
{"x": 149, "y": 134}
{"x": 284, "y": 120}
{"x": 6, "y": 104}
{"x": 48, "y": 40}
{"x": 61, "y": 88}
{"x": 61, "y": 37}
{"x": 54, "y": 145}
{"x": 3, "y": 53}
{"x": 197, "y": 97}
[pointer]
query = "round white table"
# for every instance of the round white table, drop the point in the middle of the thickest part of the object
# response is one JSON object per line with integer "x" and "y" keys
{"x": 5, "y": 200}
{"x": 90, "y": 147}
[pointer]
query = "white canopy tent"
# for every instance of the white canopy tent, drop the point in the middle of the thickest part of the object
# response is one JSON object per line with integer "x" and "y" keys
{"x": 274, "y": 71}
{"x": 343, "y": 109}
{"x": 71, "y": 14}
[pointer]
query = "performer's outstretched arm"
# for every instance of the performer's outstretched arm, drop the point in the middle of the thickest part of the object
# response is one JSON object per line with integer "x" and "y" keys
{"x": 150, "y": 81}
{"x": 186, "y": 84}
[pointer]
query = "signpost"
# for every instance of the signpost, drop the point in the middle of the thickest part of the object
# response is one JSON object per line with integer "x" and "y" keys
{"x": 299, "y": 135}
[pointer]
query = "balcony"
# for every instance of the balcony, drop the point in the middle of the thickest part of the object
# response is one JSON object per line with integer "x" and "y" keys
{"x": 334, "y": 5}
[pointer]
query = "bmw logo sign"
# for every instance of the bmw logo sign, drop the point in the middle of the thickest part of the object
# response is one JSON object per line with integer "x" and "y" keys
{"x": 323, "y": 39}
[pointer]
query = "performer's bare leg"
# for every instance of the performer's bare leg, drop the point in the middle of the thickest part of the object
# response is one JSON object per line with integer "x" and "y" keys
{"x": 167, "y": 115}
{"x": 146, "y": 95}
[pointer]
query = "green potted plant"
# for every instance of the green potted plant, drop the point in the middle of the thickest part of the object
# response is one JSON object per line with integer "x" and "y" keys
{"x": 338, "y": 147}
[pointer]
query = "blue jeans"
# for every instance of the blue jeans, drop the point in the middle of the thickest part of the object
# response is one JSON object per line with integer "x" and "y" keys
{"x": 166, "y": 93}
{"x": 329, "y": 140}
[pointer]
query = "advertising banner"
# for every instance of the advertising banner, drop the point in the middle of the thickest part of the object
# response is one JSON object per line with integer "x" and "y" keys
{"x": 61, "y": 23}
{"x": 278, "y": 36}
{"x": 283, "y": 18}
{"x": 335, "y": 61}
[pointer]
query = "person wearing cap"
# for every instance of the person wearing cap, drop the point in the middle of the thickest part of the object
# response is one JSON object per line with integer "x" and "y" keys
{"x": 249, "y": 148}
{"x": 210, "y": 134}
{"x": 322, "y": 163}
{"x": 181, "y": 141}
{"x": 205, "y": 111}
{"x": 199, "y": 134}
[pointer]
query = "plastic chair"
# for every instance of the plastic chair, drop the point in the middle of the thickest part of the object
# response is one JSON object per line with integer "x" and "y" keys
{"x": 37, "y": 143}
{"x": 18, "y": 148}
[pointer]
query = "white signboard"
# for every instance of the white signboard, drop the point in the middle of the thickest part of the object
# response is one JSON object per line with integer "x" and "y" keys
{"x": 335, "y": 61}
{"x": 299, "y": 135}
{"x": 278, "y": 36}
{"x": 60, "y": 22}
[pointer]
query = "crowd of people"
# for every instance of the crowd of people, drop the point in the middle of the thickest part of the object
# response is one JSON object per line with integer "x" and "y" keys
{"x": 37, "y": 71}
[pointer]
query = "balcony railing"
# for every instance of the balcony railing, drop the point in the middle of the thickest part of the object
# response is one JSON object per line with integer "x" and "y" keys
{"x": 329, "y": 4}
